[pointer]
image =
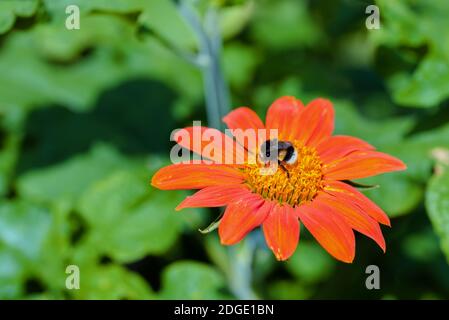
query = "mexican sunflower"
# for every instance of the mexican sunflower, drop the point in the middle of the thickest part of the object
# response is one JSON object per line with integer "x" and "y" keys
{"x": 315, "y": 191}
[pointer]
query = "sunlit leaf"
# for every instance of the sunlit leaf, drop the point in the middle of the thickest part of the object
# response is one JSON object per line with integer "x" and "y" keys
{"x": 111, "y": 282}
{"x": 67, "y": 181}
{"x": 12, "y": 271}
{"x": 127, "y": 220}
{"x": 192, "y": 280}
{"x": 178, "y": 32}
{"x": 57, "y": 8}
{"x": 24, "y": 228}
{"x": 239, "y": 64}
{"x": 11, "y": 9}
{"x": 58, "y": 70}
{"x": 234, "y": 18}
{"x": 393, "y": 186}
{"x": 426, "y": 85}
{"x": 310, "y": 263}
{"x": 437, "y": 204}
{"x": 272, "y": 19}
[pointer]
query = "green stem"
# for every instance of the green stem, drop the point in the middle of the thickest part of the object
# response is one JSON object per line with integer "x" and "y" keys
{"x": 217, "y": 103}
{"x": 215, "y": 88}
{"x": 241, "y": 271}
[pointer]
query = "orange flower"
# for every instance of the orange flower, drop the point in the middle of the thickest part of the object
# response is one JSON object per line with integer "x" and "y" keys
{"x": 314, "y": 191}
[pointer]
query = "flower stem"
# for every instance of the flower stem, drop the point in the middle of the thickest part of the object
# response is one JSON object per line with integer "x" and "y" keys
{"x": 241, "y": 262}
{"x": 215, "y": 88}
{"x": 217, "y": 103}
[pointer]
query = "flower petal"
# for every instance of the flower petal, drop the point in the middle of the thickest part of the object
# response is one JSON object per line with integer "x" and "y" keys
{"x": 362, "y": 164}
{"x": 350, "y": 194}
{"x": 354, "y": 216}
{"x": 241, "y": 217}
{"x": 211, "y": 144}
{"x": 214, "y": 196}
{"x": 281, "y": 229}
{"x": 336, "y": 147}
{"x": 243, "y": 118}
{"x": 330, "y": 230}
{"x": 246, "y": 127}
{"x": 195, "y": 176}
{"x": 317, "y": 122}
{"x": 284, "y": 115}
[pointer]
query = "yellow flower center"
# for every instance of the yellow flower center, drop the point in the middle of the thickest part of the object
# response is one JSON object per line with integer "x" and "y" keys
{"x": 300, "y": 185}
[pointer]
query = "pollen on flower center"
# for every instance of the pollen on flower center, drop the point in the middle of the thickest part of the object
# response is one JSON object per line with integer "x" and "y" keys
{"x": 300, "y": 185}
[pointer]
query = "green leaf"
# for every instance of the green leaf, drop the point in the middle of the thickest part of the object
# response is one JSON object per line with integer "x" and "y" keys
{"x": 47, "y": 82}
{"x": 10, "y": 9}
{"x": 421, "y": 150}
{"x": 239, "y": 63}
{"x": 8, "y": 158}
{"x": 310, "y": 263}
{"x": 379, "y": 133}
{"x": 11, "y": 274}
{"x": 58, "y": 71}
{"x": 67, "y": 181}
{"x": 437, "y": 204}
{"x": 288, "y": 290}
{"x": 213, "y": 226}
{"x": 128, "y": 219}
{"x": 178, "y": 32}
{"x": 111, "y": 282}
{"x": 418, "y": 152}
{"x": 272, "y": 19}
{"x": 427, "y": 85}
{"x": 422, "y": 246}
{"x": 57, "y": 8}
{"x": 24, "y": 228}
{"x": 233, "y": 19}
{"x": 59, "y": 188}
{"x": 106, "y": 199}
{"x": 192, "y": 281}
{"x": 394, "y": 186}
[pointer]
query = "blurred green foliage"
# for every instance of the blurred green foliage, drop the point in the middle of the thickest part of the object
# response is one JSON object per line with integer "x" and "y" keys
{"x": 86, "y": 116}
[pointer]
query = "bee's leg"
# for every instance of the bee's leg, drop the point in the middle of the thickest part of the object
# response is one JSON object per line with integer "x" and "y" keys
{"x": 285, "y": 170}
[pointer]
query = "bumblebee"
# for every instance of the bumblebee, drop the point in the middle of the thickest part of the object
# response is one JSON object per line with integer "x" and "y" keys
{"x": 281, "y": 151}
